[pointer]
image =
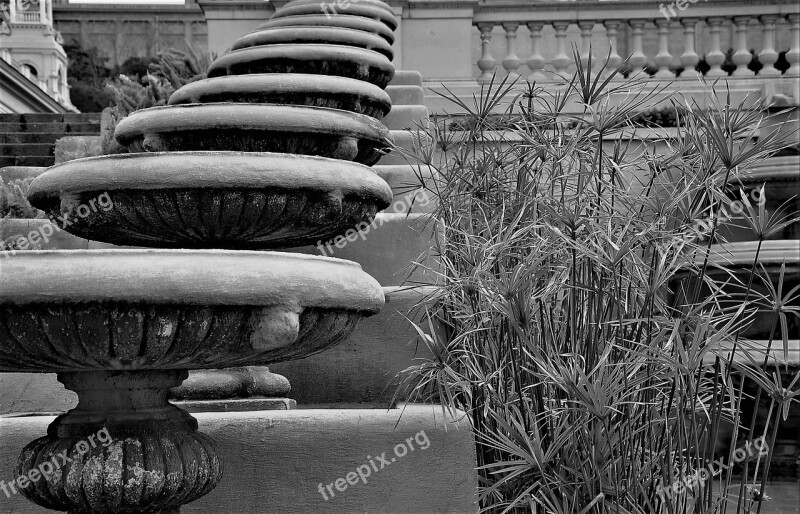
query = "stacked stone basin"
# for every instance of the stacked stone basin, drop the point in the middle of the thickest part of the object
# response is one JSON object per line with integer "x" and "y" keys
{"x": 272, "y": 151}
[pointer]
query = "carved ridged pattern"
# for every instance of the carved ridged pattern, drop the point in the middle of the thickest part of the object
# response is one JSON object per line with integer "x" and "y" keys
{"x": 219, "y": 218}
{"x": 354, "y": 69}
{"x": 121, "y": 336}
{"x": 343, "y": 147}
{"x": 355, "y": 103}
{"x": 137, "y": 473}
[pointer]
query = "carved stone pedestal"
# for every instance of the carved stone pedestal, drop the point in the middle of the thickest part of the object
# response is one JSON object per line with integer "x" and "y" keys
{"x": 124, "y": 448}
{"x": 242, "y": 388}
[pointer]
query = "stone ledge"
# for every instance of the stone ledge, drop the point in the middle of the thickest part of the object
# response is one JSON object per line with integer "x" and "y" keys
{"x": 275, "y": 460}
{"x": 387, "y": 249}
{"x": 362, "y": 369}
{"x": 406, "y": 95}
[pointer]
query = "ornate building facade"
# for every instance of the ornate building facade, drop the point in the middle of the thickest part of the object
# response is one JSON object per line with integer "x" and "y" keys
{"x": 32, "y": 50}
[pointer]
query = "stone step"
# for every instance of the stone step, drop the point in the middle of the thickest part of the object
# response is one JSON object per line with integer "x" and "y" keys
{"x": 406, "y": 95}
{"x": 387, "y": 248}
{"x": 405, "y": 117}
{"x": 58, "y": 128}
{"x": 404, "y": 139}
{"x": 26, "y": 160}
{"x": 363, "y": 368}
{"x": 48, "y": 236}
{"x": 30, "y": 149}
{"x": 70, "y": 117}
{"x": 315, "y": 449}
{"x": 406, "y": 181}
{"x": 406, "y": 78}
{"x": 37, "y": 137}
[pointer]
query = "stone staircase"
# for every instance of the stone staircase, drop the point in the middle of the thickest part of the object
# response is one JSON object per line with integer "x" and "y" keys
{"x": 29, "y": 139}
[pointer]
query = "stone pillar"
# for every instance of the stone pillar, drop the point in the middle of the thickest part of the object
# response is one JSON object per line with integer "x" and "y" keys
{"x": 448, "y": 29}
{"x": 227, "y": 21}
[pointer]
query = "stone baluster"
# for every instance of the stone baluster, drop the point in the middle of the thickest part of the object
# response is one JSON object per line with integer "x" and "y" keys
{"x": 511, "y": 63}
{"x": 486, "y": 63}
{"x": 689, "y": 58}
{"x": 793, "y": 55}
{"x": 742, "y": 56}
{"x": 768, "y": 56}
{"x": 663, "y": 58}
{"x": 536, "y": 61}
{"x": 586, "y": 27}
{"x": 638, "y": 59}
{"x": 715, "y": 58}
{"x": 612, "y": 32}
{"x": 561, "y": 61}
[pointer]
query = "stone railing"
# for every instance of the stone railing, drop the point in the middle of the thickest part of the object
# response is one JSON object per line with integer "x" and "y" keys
{"x": 730, "y": 38}
{"x": 28, "y": 17}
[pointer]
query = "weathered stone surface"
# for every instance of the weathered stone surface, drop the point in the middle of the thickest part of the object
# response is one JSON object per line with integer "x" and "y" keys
{"x": 156, "y": 310}
{"x": 122, "y": 326}
{"x": 289, "y": 88}
{"x": 406, "y": 95}
{"x": 374, "y": 3}
{"x": 293, "y": 129}
{"x": 127, "y": 449}
{"x": 407, "y": 78}
{"x": 406, "y": 117}
{"x": 313, "y": 446}
{"x": 353, "y": 9}
{"x": 315, "y": 35}
{"x": 38, "y": 234}
{"x": 337, "y": 60}
{"x": 210, "y": 200}
{"x": 321, "y": 20}
{"x": 240, "y": 382}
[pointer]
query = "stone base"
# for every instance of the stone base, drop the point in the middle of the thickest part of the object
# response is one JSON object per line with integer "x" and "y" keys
{"x": 237, "y": 404}
{"x": 276, "y": 461}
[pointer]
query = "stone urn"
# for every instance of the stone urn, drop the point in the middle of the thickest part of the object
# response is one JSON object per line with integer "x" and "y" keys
{"x": 268, "y": 153}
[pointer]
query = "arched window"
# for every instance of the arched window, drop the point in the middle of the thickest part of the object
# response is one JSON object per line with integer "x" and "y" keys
{"x": 29, "y": 71}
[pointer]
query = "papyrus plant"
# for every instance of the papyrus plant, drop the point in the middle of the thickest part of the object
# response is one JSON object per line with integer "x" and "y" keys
{"x": 592, "y": 378}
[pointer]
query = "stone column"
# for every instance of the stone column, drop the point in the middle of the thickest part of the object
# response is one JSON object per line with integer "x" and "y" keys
{"x": 226, "y": 21}
{"x": 448, "y": 29}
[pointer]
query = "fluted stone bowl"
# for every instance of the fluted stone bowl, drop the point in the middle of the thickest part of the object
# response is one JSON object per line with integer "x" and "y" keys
{"x": 315, "y": 59}
{"x": 321, "y": 20}
{"x": 130, "y": 310}
{"x": 375, "y": 3}
{"x": 336, "y": 10}
{"x": 210, "y": 199}
{"x": 315, "y": 35}
{"x": 256, "y": 128}
{"x": 289, "y": 88}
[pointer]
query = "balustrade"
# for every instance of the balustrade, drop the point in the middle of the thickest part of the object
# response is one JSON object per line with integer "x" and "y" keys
{"x": 693, "y": 43}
